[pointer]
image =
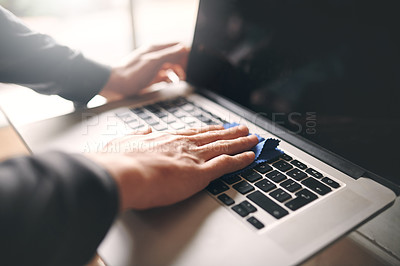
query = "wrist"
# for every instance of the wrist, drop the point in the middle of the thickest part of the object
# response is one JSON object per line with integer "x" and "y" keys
{"x": 109, "y": 91}
{"x": 126, "y": 175}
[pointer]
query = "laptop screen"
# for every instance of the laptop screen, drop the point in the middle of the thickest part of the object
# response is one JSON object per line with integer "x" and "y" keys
{"x": 327, "y": 70}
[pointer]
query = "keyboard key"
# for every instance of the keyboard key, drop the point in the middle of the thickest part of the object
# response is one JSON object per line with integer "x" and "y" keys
{"x": 143, "y": 115}
{"x": 243, "y": 187}
{"x": 230, "y": 179}
{"x": 218, "y": 118}
{"x": 195, "y": 112}
{"x": 210, "y": 123}
{"x": 204, "y": 119}
{"x": 247, "y": 205}
{"x": 171, "y": 109}
{"x": 159, "y": 127}
{"x": 179, "y": 113}
{"x": 135, "y": 124}
{"x": 196, "y": 124}
{"x": 226, "y": 199}
{"x": 189, "y": 120}
{"x": 282, "y": 166}
{"x": 298, "y": 164}
{"x": 276, "y": 176}
{"x": 124, "y": 114}
{"x": 303, "y": 197}
{"x": 179, "y": 101}
{"x": 187, "y": 107}
{"x": 151, "y": 121}
{"x": 153, "y": 108}
{"x": 330, "y": 182}
{"x": 239, "y": 209}
{"x": 314, "y": 173}
{"x": 286, "y": 157}
{"x": 207, "y": 112}
{"x": 267, "y": 204}
{"x": 256, "y": 223}
{"x": 160, "y": 114}
{"x": 280, "y": 195}
{"x": 272, "y": 160}
{"x": 290, "y": 185}
{"x": 163, "y": 104}
{"x": 169, "y": 119}
{"x": 216, "y": 187}
{"x": 137, "y": 110}
{"x": 251, "y": 175}
{"x": 316, "y": 186}
{"x": 265, "y": 185}
{"x": 263, "y": 168}
{"x": 296, "y": 174}
{"x": 128, "y": 119}
{"x": 177, "y": 125}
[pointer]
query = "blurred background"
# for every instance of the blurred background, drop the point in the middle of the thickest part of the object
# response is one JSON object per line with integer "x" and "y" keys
{"x": 104, "y": 30}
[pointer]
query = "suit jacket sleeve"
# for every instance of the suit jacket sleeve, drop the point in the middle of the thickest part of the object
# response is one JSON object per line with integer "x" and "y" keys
{"x": 35, "y": 60}
{"x": 55, "y": 209}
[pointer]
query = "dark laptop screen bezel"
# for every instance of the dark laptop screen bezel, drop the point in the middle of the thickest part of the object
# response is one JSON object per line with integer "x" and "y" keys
{"x": 193, "y": 67}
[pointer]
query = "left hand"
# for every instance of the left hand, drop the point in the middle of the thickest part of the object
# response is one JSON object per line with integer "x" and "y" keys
{"x": 143, "y": 67}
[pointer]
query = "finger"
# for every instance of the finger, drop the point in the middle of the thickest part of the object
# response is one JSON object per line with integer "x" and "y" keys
{"x": 155, "y": 47}
{"x": 211, "y": 136}
{"x": 177, "y": 69}
{"x": 225, "y": 164}
{"x": 230, "y": 147}
{"x": 160, "y": 77}
{"x": 176, "y": 54}
{"x": 172, "y": 76}
{"x": 197, "y": 130}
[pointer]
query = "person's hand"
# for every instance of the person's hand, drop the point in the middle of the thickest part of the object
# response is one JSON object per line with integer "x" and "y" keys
{"x": 143, "y": 67}
{"x": 157, "y": 169}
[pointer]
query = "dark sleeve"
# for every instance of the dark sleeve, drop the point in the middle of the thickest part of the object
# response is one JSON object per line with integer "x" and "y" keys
{"x": 55, "y": 209}
{"x": 37, "y": 61}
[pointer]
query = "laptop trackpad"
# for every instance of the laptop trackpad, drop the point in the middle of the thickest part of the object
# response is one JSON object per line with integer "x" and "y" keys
{"x": 158, "y": 236}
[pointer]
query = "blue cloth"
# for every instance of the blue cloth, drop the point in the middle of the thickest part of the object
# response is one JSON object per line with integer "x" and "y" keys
{"x": 265, "y": 150}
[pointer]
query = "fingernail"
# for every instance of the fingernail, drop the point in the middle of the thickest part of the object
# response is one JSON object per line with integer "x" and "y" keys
{"x": 253, "y": 136}
{"x": 250, "y": 154}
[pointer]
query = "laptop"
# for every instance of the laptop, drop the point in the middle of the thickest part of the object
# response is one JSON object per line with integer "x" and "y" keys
{"x": 320, "y": 77}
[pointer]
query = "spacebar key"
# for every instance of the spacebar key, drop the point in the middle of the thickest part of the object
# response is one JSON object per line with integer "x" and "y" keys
{"x": 267, "y": 204}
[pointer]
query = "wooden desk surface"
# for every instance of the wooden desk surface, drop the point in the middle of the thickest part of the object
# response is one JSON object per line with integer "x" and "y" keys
{"x": 11, "y": 144}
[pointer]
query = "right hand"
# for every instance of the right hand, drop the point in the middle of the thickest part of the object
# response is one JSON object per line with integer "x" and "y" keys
{"x": 157, "y": 169}
{"x": 143, "y": 67}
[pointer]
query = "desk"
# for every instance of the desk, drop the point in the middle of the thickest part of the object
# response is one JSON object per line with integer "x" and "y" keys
{"x": 375, "y": 243}
{"x": 10, "y": 142}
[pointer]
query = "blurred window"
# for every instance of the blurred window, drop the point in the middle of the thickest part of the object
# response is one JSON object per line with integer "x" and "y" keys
{"x": 158, "y": 21}
{"x": 102, "y": 29}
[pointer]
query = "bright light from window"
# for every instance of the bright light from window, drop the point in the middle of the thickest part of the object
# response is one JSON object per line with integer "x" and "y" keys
{"x": 160, "y": 21}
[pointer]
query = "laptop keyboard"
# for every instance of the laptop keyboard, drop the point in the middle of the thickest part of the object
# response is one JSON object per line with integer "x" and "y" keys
{"x": 279, "y": 187}
{"x": 173, "y": 114}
